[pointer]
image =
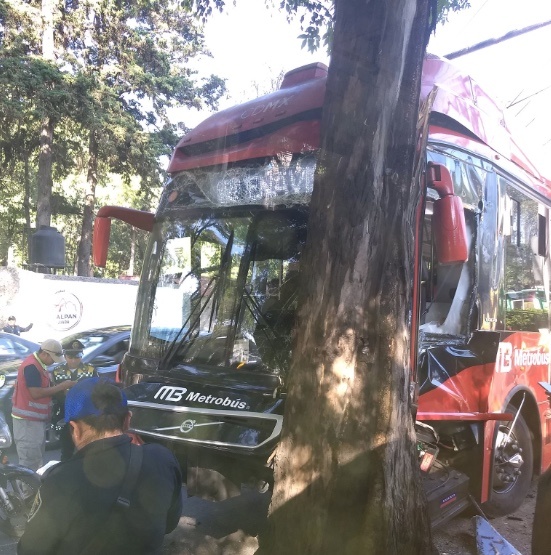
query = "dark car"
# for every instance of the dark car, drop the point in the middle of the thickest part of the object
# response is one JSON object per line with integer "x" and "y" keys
{"x": 103, "y": 349}
{"x": 14, "y": 348}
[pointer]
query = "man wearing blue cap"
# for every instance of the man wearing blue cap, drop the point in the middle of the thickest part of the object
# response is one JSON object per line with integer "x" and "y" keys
{"x": 111, "y": 497}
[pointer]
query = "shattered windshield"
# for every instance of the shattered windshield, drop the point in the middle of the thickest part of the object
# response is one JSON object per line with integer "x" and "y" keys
{"x": 226, "y": 290}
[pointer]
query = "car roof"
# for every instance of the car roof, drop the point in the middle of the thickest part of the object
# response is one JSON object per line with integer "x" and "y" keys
{"x": 18, "y": 338}
{"x": 107, "y": 331}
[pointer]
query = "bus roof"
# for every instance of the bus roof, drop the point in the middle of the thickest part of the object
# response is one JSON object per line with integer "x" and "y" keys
{"x": 289, "y": 120}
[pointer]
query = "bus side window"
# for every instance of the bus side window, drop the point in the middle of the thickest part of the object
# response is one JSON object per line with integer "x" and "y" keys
{"x": 526, "y": 266}
{"x": 449, "y": 292}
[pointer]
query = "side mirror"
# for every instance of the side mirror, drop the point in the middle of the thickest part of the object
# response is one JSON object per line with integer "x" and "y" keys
{"x": 100, "y": 242}
{"x": 102, "y": 228}
{"x": 448, "y": 220}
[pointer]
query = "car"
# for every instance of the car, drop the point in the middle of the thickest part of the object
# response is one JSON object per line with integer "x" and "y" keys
{"x": 103, "y": 349}
{"x": 14, "y": 348}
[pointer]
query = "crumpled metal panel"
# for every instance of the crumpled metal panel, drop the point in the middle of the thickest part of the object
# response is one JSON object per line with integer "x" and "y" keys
{"x": 489, "y": 541}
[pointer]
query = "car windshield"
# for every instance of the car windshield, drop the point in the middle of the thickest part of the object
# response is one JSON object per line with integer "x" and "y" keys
{"x": 225, "y": 292}
{"x": 11, "y": 347}
{"x": 90, "y": 339}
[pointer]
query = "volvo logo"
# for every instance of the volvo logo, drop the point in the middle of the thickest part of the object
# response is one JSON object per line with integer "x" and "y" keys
{"x": 187, "y": 426}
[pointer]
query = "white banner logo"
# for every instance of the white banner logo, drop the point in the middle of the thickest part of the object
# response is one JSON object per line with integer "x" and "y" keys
{"x": 170, "y": 393}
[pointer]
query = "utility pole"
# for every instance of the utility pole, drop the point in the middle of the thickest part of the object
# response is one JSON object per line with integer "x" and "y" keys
{"x": 492, "y": 42}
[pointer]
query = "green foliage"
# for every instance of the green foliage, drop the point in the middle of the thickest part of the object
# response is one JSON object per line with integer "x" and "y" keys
{"x": 118, "y": 260}
{"x": 119, "y": 68}
{"x": 526, "y": 320}
{"x": 444, "y": 7}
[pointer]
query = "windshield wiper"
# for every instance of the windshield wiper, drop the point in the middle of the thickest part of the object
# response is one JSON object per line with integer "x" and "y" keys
{"x": 200, "y": 307}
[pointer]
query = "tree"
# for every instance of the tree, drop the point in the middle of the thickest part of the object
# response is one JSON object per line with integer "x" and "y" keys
{"x": 102, "y": 74}
{"x": 45, "y": 159}
{"x": 132, "y": 62}
{"x": 346, "y": 476}
{"x": 33, "y": 90}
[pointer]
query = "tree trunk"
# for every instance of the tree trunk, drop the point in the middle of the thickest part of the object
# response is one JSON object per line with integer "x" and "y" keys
{"x": 346, "y": 473}
{"x": 44, "y": 186}
{"x": 85, "y": 244}
{"x": 27, "y": 208}
{"x": 132, "y": 260}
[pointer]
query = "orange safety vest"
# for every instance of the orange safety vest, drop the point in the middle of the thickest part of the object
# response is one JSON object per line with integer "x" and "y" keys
{"x": 23, "y": 405}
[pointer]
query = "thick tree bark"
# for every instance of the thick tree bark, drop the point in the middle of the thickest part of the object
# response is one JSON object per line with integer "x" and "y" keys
{"x": 347, "y": 479}
{"x": 44, "y": 185}
{"x": 85, "y": 244}
{"x": 27, "y": 207}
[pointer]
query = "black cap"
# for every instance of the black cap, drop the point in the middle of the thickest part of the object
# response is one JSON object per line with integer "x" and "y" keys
{"x": 73, "y": 348}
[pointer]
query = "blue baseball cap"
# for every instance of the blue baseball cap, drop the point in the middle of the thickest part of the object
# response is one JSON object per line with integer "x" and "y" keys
{"x": 79, "y": 402}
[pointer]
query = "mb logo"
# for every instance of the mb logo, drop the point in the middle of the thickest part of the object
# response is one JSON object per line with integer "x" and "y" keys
{"x": 170, "y": 393}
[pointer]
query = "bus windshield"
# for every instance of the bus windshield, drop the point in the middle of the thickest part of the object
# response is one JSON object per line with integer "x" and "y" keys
{"x": 222, "y": 289}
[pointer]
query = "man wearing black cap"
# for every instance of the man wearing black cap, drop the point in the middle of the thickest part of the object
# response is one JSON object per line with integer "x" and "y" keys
{"x": 111, "y": 497}
{"x": 73, "y": 369}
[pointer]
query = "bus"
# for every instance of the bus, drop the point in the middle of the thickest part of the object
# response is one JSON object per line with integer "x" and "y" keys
{"x": 208, "y": 362}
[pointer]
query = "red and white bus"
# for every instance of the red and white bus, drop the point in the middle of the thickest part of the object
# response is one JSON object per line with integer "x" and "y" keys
{"x": 207, "y": 368}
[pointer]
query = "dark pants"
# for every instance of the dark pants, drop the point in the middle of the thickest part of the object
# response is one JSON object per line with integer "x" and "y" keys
{"x": 67, "y": 445}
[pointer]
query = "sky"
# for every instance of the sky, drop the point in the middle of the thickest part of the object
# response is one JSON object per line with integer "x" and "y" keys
{"x": 251, "y": 46}
{"x": 514, "y": 70}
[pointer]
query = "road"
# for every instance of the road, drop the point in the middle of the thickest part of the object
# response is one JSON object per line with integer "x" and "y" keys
{"x": 232, "y": 526}
{"x": 203, "y": 522}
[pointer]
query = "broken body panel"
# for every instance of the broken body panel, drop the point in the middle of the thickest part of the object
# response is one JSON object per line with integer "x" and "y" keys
{"x": 210, "y": 349}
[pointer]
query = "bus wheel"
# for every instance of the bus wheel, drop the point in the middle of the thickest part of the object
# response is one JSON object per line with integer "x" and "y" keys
{"x": 513, "y": 467}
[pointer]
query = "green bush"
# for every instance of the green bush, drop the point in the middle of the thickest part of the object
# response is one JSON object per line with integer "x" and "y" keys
{"x": 526, "y": 320}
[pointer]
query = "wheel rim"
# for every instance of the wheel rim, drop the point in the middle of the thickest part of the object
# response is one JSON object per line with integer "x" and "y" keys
{"x": 508, "y": 461}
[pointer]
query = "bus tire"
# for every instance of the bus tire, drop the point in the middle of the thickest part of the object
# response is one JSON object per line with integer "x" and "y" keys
{"x": 513, "y": 468}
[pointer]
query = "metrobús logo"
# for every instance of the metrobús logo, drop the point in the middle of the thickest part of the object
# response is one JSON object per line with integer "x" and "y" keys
{"x": 523, "y": 357}
{"x": 176, "y": 394}
{"x": 509, "y": 356}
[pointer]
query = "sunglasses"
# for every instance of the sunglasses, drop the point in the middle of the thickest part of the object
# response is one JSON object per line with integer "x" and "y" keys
{"x": 79, "y": 355}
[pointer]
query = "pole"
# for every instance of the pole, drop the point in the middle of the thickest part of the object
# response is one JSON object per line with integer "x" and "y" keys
{"x": 492, "y": 42}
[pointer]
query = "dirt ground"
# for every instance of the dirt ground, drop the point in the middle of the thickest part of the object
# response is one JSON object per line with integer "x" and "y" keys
{"x": 225, "y": 529}
{"x": 457, "y": 537}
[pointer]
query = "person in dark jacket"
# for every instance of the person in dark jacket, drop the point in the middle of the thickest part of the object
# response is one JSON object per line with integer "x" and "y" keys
{"x": 73, "y": 369}
{"x": 76, "y": 510}
{"x": 12, "y": 327}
